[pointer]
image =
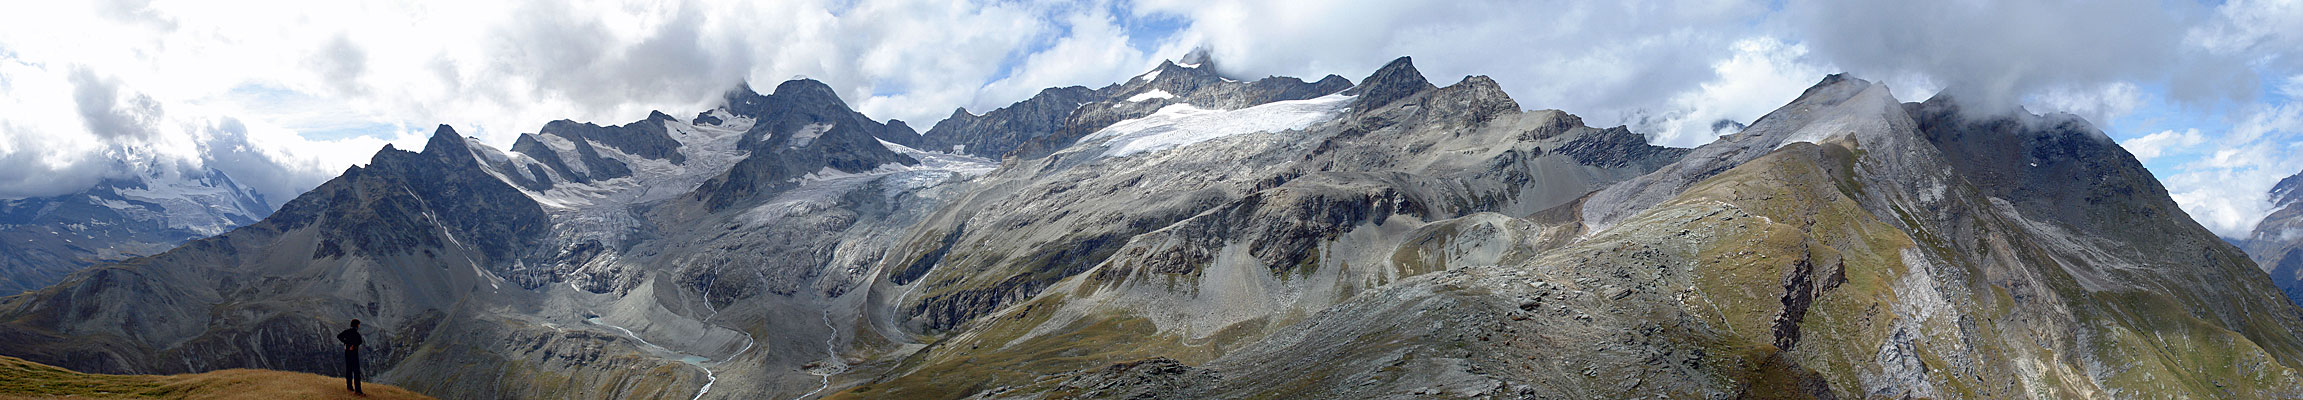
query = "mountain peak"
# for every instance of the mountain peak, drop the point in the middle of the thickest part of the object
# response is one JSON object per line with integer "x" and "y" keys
{"x": 743, "y": 97}
{"x": 1395, "y": 80}
{"x": 2284, "y": 193}
{"x": 1834, "y": 85}
{"x": 809, "y": 90}
{"x": 445, "y": 139}
{"x": 1197, "y": 58}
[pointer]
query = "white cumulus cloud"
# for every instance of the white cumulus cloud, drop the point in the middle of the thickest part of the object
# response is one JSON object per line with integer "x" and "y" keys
{"x": 2151, "y": 146}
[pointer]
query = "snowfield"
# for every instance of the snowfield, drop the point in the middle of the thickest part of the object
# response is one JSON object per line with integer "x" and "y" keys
{"x": 1179, "y": 125}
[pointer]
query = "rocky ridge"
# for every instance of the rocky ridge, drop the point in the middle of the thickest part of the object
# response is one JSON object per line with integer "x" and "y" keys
{"x": 1188, "y": 235}
{"x": 1815, "y": 257}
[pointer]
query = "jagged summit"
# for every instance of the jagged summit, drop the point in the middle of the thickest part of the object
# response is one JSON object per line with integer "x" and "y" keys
{"x": 800, "y": 130}
{"x": 2287, "y": 191}
{"x": 1397, "y": 79}
{"x": 998, "y": 131}
{"x": 1199, "y": 57}
{"x": 445, "y": 142}
{"x": 810, "y": 101}
{"x": 645, "y": 138}
{"x": 742, "y": 97}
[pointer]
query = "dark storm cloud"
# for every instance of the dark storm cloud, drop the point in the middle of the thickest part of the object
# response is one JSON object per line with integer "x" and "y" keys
{"x": 33, "y": 174}
{"x": 2004, "y": 51}
{"x": 563, "y": 55}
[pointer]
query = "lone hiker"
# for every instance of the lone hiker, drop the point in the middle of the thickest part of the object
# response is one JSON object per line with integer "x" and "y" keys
{"x": 351, "y": 339}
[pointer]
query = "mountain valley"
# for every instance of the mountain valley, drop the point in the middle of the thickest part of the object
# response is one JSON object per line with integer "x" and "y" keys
{"x": 1186, "y": 234}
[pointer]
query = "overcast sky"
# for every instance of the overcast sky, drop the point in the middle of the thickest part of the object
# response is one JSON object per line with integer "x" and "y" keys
{"x": 283, "y": 95}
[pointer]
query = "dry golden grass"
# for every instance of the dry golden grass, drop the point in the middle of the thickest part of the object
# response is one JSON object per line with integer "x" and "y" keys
{"x": 21, "y": 379}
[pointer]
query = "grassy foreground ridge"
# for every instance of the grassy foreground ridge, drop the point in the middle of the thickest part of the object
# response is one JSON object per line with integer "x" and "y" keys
{"x": 20, "y": 379}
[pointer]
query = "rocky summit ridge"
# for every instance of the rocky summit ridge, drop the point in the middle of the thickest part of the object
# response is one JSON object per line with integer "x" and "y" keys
{"x": 1186, "y": 234}
{"x": 2276, "y": 245}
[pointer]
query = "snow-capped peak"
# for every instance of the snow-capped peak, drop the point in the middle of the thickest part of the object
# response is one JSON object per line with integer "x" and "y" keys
{"x": 207, "y": 203}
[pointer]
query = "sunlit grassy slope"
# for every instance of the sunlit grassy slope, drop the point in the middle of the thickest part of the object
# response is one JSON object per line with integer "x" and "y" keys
{"x": 21, "y": 379}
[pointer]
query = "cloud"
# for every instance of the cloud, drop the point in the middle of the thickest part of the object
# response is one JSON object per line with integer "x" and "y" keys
{"x": 2227, "y": 189}
{"x": 2151, "y": 146}
{"x": 1764, "y": 73}
{"x": 2293, "y": 88}
{"x": 64, "y": 128}
{"x": 110, "y": 114}
{"x": 2004, "y": 51}
{"x": 230, "y": 147}
{"x": 247, "y": 80}
{"x": 2100, "y": 104}
{"x": 341, "y": 63}
{"x": 1095, "y": 52}
{"x": 2257, "y": 30}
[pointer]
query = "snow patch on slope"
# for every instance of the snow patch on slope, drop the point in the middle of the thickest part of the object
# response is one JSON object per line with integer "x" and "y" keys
{"x": 1179, "y": 125}
{"x": 808, "y": 134}
{"x": 1153, "y": 94}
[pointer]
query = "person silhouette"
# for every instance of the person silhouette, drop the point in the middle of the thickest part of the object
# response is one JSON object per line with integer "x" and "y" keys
{"x": 351, "y": 339}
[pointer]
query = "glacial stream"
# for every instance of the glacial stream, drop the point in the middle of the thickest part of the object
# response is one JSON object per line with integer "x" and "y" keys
{"x": 830, "y": 352}
{"x": 690, "y": 359}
